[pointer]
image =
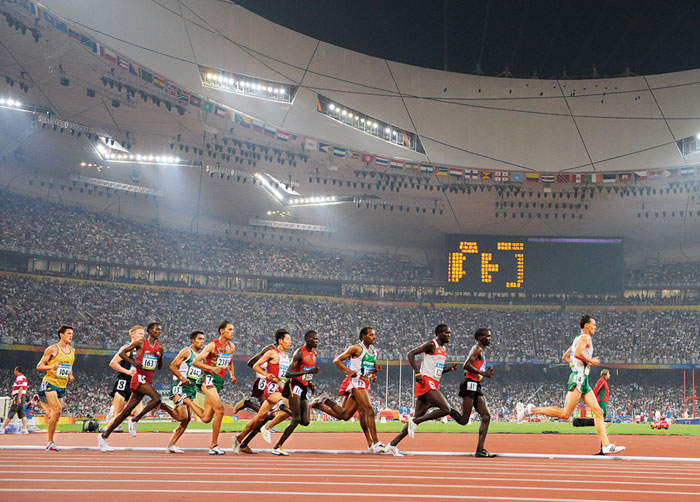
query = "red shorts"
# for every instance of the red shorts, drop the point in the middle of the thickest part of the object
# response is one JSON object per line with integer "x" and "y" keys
{"x": 428, "y": 384}
{"x": 140, "y": 378}
{"x": 271, "y": 388}
{"x": 350, "y": 383}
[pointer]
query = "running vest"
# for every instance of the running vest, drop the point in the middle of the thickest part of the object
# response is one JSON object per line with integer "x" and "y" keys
{"x": 148, "y": 357}
{"x": 364, "y": 363}
{"x": 220, "y": 358}
{"x": 125, "y": 365}
{"x": 308, "y": 361}
{"x": 433, "y": 364}
{"x": 478, "y": 364}
{"x": 186, "y": 368}
{"x": 576, "y": 364}
{"x": 59, "y": 376}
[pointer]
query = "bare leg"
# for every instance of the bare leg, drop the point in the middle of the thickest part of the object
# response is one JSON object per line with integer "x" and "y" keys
{"x": 436, "y": 400}
{"x": 118, "y": 405}
{"x": 463, "y": 417}
{"x": 55, "y": 405}
{"x": 296, "y": 406}
{"x": 217, "y": 412}
{"x": 155, "y": 402}
{"x": 281, "y": 416}
{"x": 134, "y": 400}
{"x": 259, "y": 419}
{"x": 422, "y": 406}
{"x": 332, "y": 409}
{"x": 598, "y": 418}
{"x": 184, "y": 422}
{"x": 572, "y": 399}
{"x": 362, "y": 398}
{"x": 483, "y": 410}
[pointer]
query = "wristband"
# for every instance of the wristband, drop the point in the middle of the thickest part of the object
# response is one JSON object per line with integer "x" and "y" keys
{"x": 418, "y": 374}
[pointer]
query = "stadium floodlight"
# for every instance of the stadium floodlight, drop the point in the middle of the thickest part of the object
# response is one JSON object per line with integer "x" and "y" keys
{"x": 288, "y": 225}
{"x": 246, "y": 85}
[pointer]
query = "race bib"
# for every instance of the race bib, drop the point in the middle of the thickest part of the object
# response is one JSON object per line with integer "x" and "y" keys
{"x": 193, "y": 372}
{"x": 432, "y": 385}
{"x": 223, "y": 360}
{"x": 141, "y": 378}
{"x": 439, "y": 367}
{"x": 121, "y": 384}
{"x": 209, "y": 380}
{"x": 272, "y": 388}
{"x": 261, "y": 384}
{"x": 63, "y": 371}
{"x": 44, "y": 385}
{"x": 297, "y": 390}
{"x": 472, "y": 386}
{"x": 308, "y": 376}
{"x": 283, "y": 369}
{"x": 150, "y": 362}
{"x": 367, "y": 368}
{"x": 360, "y": 383}
{"x": 177, "y": 390}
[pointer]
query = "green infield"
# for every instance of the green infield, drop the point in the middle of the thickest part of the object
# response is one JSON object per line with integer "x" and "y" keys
{"x": 450, "y": 427}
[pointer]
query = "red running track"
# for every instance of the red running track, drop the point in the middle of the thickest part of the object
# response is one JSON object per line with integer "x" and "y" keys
{"x": 125, "y": 475}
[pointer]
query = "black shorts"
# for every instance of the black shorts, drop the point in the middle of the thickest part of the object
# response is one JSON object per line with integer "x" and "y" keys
{"x": 121, "y": 387}
{"x": 17, "y": 408}
{"x": 294, "y": 389}
{"x": 470, "y": 388}
{"x": 258, "y": 388}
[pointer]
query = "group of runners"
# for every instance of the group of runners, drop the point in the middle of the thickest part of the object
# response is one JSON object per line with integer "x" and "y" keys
{"x": 284, "y": 384}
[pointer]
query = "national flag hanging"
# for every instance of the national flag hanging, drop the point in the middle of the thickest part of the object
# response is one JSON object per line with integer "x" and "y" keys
{"x": 532, "y": 176}
{"x": 609, "y": 177}
{"x": 352, "y": 154}
{"x": 170, "y": 88}
{"x": 219, "y": 111}
{"x": 427, "y": 168}
{"x": 687, "y": 171}
{"x": 441, "y": 171}
{"x": 640, "y": 176}
{"x": 195, "y": 100}
{"x": 471, "y": 174}
{"x": 486, "y": 175}
{"x": 295, "y": 139}
{"x": 501, "y": 176}
{"x": 563, "y": 178}
{"x": 593, "y": 178}
{"x": 311, "y": 144}
{"x": 578, "y": 178}
{"x": 324, "y": 147}
{"x": 258, "y": 126}
{"x": 456, "y": 171}
{"x": 283, "y": 136}
{"x": 108, "y": 55}
{"x": 74, "y": 35}
{"x": 367, "y": 158}
{"x": 123, "y": 63}
{"x": 87, "y": 42}
{"x": 517, "y": 177}
{"x": 208, "y": 106}
{"x": 270, "y": 132}
{"x": 412, "y": 166}
{"x": 396, "y": 164}
{"x": 671, "y": 173}
{"x": 381, "y": 161}
{"x": 339, "y": 151}
{"x": 243, "y": 120}
{"x": 655, "y": 174}
{"x": 159, "y": 82}
{"x": 146, "y": 75}
{"x": 134, "y": 69}
{"x": 624, "y": 177}
{"x": 547, "y": 178}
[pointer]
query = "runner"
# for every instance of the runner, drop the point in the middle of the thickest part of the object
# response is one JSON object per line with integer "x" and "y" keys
{"x": 579, "y": 358}
{"x": 295, "y": 390}
{"x": 428, "y": 395}
{"x": 57, "y": 362}
{"x": 361, "y": 371}
{"x": 258, "y": 390}
{"x": 277, "y": 361}
{"x": 19, "y": 395}
{"x": 149, "y": 357}
{"x": 216, "y": 357}
{"x": 184, "y": 388}
{"x": 470, "y": 389}
{"x": 121, "y": 392}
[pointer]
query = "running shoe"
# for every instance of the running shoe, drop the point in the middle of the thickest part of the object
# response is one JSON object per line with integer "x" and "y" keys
{"x": 2, "y": 430}
{"x": 25, "y": 431}
{"x": 412, "y": 426}
{"x": 174, "y": 449}
{"x": 35, "y": 399}
{"x": 276, "y": 406}
{"x": 279, "y": 451}
{"x": 392, "y": 450}
{"x": 484, "y": 454}
{"x": 52, "y": 447}
{"x": 528, "y": 409}
{"x": 520, "y": 411}
{"x": 376, "y": 447}
{"x": 215, "y": 450}
{"x": 265, "y": 433}
{"x": 246, "y": 449}
{"x": 180, "y": 401}
{"x": 132, "y": 426}
{"x": 612, "y": 448}
{"x": 238, "y": 406}
{"x": 101, "y": 444}
{"x": 320, "y": 399}
{"x": 236, "y": 445}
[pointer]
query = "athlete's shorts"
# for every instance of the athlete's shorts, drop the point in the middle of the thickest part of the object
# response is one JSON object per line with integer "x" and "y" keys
{"x": 49, "y": 387}
{"x": 180, "y": 389}
{"x": 294, "y": 389}
{"x": 17, "y": 408}
{"x": 427, "y": 385}
{"x": 138, "y": 379}
{"x": 258, "y": 387}
{"x": 604, "y": 407}
{"x": 210, "y": 380}
{"x": 271, "y": 388}
{"x": 121, "y": 387}
{"x": 470, "y": 388}
{"x": 353, "y": 383}
{"x": 579, "y": 381}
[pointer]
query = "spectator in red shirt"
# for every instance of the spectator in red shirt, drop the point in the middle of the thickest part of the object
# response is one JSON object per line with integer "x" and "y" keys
{"x": 19, "y": 391}
{"x": 602, "y": 392}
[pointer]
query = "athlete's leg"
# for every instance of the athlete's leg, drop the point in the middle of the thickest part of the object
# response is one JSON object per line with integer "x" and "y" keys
{"x": 422, "y": 406}
{"x": 155, "y": 402}
{"x": 331, "y": 408}
{"x": 295, "y": 407}
{"x": 184, "y": 422}
{"x": 55, "y": 405}
{"x": 482, "y": 410}
{"x": 572, "y": 399}
{"x": 281, "y": 416}
{"x": 118, "y": 403}
{"x": 365, "y": 405}
{"x": 436, "y": 400}
{"x": 259, "y": 419}
{"x": 134, "y": 400}
{"x": 463, "y": 417}
{"x": 598, "y": 419}
{"x": 216, "y": 412}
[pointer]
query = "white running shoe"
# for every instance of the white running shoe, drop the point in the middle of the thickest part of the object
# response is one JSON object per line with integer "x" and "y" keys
{"x": 102, "y": 444}
{"x": 279, "y": 451}
{"x": 265, "y": 433}
{"x": 174, "y": 449}
{"x": 215, "y": 450}
{"x": 612, "y": 448}
{"x": 25, "y": 431}
{"x": 376, "y": 447}
{"x": 520, "y": 411}
{"x": 132, "y": 427}
{"x": 528, "y": 409}
{"x": 320, "y": 399}
{"x": 52, "y": 447}
{"x": 238, "y": 406}
{"x": 236, "y": 445}
{"x": 393, "y": 450}
{"x": 412, "y": 426}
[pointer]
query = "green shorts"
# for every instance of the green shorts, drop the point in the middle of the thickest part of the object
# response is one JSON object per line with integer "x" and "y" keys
{"x": 49, "y": 387}
{"x": 210, "y": 380}
{"x": 179, "y": 389}
{"x": 579, "y": 381}
{"x": 604, "y": 407}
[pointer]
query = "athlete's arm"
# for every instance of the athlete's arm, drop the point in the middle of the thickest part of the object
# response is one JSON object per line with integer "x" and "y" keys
{"x": 427, "y": 348}
{"x": 199, "y": 360}
{"x": 48, "y": 354}
{"x": 296, "y": 360}
{"x": 257, "y": 356}
{"x": 114, "y": 364}
{"x": 474, "y": 355}
{"x": 230, "y": 366}
{"x": 338, "y": 362}
{"x": 126, "y": 351}
{"x": 579, "y": 352}
{"x": 175, "y": 365}
{"x": 257, "y": 367}
{"x": 160, "y": 356}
